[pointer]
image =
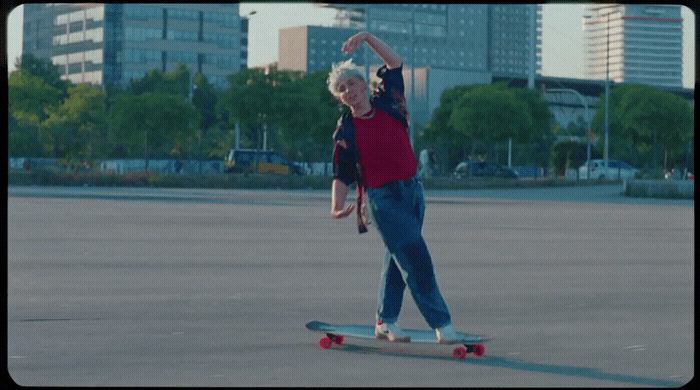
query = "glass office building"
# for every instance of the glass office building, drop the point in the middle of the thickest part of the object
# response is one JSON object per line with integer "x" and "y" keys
{"x": 442, "y": 45}
{"x": 115, "y": 43}
{"x": 504, "y": 39}
{"x": 634, "y": 43}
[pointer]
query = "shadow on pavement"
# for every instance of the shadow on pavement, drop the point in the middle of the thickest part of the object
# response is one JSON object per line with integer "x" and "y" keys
{"x": 496, "y": 361}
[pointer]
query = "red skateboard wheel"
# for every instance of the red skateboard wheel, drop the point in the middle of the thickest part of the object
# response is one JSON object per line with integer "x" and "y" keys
{"x": 459, "y": 353}
{"x": 325, "y": 342}
{"x": 479, "y": 350}
{"x": 338, "y": 339}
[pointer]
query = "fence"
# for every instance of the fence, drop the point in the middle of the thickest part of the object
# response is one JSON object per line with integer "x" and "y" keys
{"x": 163, "y": 166}
{"x": 33, "y": 162}
{"x": 120, "y": 166}
{"x": 316, "y": 168}
{"x": 530, "y": 172}
{"x": 202, "y": 166}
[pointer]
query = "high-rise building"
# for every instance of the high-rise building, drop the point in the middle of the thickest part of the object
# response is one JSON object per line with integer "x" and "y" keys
{"x": 634, "y": 43}
{"x": 114, "y": 43}
{"x": 312, "y": 48}
{"x": 504, "y": 39}
{"x": 514, "y": 39}
{"x": 442, "y": 45}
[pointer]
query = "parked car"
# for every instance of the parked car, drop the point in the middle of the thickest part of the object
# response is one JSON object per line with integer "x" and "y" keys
{"x": 616, "y": 170}
{"x": 483, "y": 169}
{"x": 259, "y": 161}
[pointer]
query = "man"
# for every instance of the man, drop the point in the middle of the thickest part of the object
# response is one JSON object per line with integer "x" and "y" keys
{"x": 372, "y": 147}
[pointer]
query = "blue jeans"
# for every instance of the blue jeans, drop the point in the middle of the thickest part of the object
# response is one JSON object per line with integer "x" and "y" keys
{"x": 398, "y": 209}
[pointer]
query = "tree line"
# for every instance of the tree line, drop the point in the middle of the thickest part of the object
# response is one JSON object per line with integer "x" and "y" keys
{"x": 476, "y": 121}
{"x": 649, "y": 128}
{"x": 164, "y": 115}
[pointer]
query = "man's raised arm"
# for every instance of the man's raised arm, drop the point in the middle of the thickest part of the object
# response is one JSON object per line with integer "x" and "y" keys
{"x": 387, "y": 54}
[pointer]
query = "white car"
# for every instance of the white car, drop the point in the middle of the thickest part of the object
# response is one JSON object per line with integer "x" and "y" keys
{"x": 616, "y": 170}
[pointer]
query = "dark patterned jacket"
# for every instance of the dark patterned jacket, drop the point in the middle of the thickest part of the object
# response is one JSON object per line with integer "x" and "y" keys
{"x": 389, "y": 97}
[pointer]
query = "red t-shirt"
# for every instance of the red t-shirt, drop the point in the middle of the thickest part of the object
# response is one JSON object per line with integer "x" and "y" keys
{"x": 385, "y": 149}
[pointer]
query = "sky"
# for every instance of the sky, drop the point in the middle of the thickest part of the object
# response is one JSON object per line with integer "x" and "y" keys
{"x": 562, "y": 40}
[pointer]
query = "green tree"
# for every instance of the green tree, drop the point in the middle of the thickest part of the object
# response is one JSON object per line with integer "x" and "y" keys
{"x": 323, "y": 115}
{"x": 644, "y": 122}
{"x": 29, "y": 99}
{"x": 440, "y": 130}
{"x": 78, "y": 126}
{"x": 45, "y": 70}
{"x": 204, "y": 99}
{"x": 490, "y": 113}
{"x": 22, "y": 139}
{"x": 175, "y": 83}
{"x": 248, "y": 101}
{"x": 152, "y": 123}
{"x": 307, "y": 115}
{"x": 538, "y": 108}
{"x": 478, "y": 119}
{"x": 296, "y": 109}
{"x": 29, "y": 96}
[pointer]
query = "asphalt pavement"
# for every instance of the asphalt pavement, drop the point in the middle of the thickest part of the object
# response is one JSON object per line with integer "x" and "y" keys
{"x": 581, "y": 286}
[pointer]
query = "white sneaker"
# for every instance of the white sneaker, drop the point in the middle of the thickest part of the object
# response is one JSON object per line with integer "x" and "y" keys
{"x": 446, "y": 335}
{"x": 390, "y": 331}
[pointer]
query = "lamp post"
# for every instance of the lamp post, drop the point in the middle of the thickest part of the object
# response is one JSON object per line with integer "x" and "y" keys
{"x": 238, "y": 126}
{"x": 247, "y": 18}
{"x": 606, "y": 124}
{"x": 607, "y": 90}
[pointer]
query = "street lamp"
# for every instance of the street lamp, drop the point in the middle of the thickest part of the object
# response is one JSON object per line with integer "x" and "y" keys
{"x": 247, "y": 18}
{"x": 238, "y": 126}
{"x": 606, "y": 126}
{"x": 264, "y": 147}
{"x": 607, "y": 90}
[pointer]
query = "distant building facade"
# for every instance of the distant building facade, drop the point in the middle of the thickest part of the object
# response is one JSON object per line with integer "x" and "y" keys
{"x": 452, "y": 44}
{"x": 635, "y": 43}
{"x": 502, "y": 39}
{"x": 313, "y": 48}
{"x": 115, "y": 43}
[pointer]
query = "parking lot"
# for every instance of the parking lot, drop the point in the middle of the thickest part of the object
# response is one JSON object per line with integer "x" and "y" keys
{"x": 155, "y": 287}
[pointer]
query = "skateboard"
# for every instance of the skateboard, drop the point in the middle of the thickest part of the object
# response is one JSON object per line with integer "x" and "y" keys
{"x": 335, "y": 334}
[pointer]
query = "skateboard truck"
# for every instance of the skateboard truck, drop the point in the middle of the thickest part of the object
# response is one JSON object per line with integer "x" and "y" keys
{"x": 325, "y": 342}
{"x": 461, "y": 353}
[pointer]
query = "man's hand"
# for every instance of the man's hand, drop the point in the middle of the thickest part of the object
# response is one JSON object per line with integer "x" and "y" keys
{"x": 339, "y": 191}
{"x": 354, "y": 42}
{"x": 387, "y": 54}
{"x": 337, "y": 214}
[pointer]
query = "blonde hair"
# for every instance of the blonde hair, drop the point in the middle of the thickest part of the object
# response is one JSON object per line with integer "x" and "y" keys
{"x": 340, "y": 71}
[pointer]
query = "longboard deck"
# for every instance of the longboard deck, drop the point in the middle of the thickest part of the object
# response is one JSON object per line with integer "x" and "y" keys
{"x": 367, "y": 332}
{"x": 335, "y": 334}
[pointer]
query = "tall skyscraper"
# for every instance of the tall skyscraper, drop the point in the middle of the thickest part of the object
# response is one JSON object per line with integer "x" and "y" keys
{"x": 114, "y": 43}
{"x": 634, "y": 43}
